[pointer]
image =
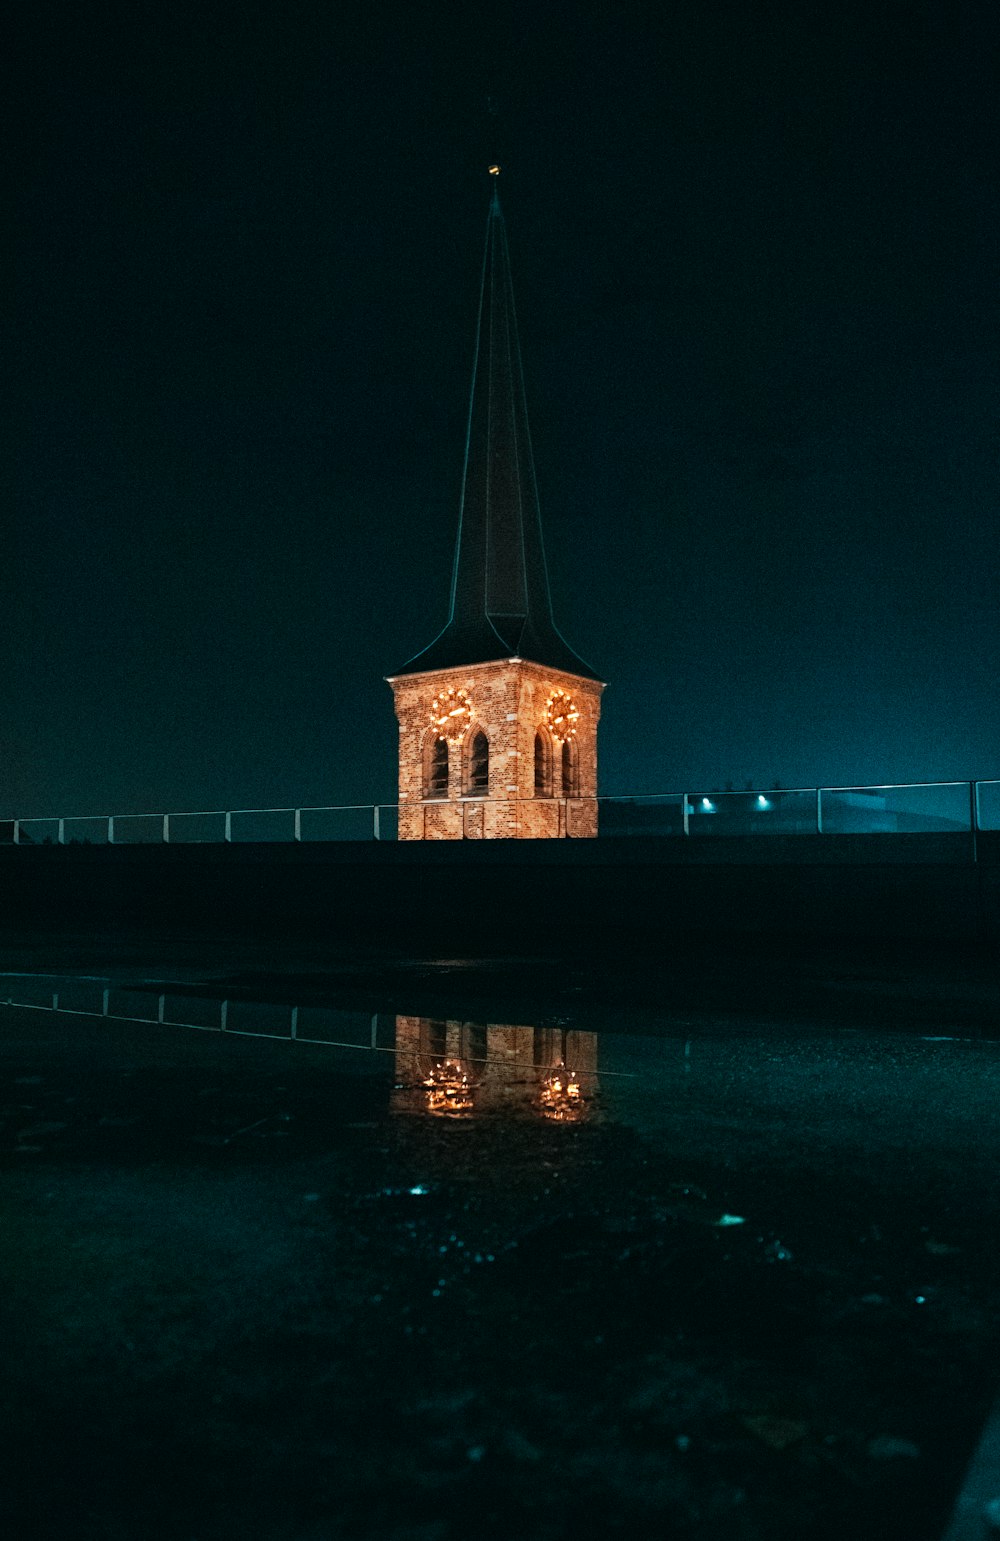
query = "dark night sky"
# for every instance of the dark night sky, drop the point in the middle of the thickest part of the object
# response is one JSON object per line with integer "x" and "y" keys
{"x": 755, "y": 254}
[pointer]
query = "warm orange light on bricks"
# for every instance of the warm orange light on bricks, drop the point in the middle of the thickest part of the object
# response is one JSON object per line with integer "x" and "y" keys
{"x": 451, "y": 713}
{"x": 507, "y": 701}
{"x": 562, "y": 715}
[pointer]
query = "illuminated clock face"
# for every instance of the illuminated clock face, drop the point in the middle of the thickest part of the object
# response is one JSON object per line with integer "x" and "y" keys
{"x": 451, "y": 713}
{"x": 562, "y": 715}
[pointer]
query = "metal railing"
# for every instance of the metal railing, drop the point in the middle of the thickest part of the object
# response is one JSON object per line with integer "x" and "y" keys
{"x": 899, "y": 807}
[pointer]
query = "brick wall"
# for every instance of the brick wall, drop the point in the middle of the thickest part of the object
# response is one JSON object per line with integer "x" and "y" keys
{"x": 507, "y": 701}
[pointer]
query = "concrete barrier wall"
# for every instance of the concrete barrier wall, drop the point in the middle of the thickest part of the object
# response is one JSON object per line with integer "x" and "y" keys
{"x": 502, "y": 896}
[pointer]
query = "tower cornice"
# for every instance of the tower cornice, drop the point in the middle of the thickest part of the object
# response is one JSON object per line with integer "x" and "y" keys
{"x": 498, "y": 664}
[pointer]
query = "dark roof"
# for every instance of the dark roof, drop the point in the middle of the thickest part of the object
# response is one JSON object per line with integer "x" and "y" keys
{"x": 500, "y": 601}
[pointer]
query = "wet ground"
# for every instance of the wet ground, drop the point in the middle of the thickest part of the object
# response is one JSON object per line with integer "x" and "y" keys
{"x": 437, "y": 1265}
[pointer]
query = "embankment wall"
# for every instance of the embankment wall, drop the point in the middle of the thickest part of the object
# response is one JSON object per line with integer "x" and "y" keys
{"x": 499, "y": 896}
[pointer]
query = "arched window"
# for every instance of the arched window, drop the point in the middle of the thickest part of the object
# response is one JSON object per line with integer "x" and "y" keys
{"x": 436, "y": 780}
{"x": 434, "y": 1038}
{"x": 570, "y": 769}
{"x": 474, "y": 1046}
{"x": 543, "y": 765}
{"x": 478, "y": 781}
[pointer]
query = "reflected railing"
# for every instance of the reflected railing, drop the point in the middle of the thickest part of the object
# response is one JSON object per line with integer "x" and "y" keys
{"x": 939, "y": 807}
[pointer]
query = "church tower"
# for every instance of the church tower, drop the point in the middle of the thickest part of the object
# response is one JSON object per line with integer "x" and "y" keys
{"x": 498, "y": 716}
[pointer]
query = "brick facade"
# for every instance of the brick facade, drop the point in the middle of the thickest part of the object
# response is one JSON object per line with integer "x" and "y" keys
{"x": 507, "y": 701}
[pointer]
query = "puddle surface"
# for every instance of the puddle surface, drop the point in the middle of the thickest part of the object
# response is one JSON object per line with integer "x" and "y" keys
{"x": 281, "y": 1269}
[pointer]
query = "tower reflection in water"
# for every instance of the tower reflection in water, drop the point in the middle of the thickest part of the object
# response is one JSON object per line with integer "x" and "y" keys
{"x": 466, "y": 1069}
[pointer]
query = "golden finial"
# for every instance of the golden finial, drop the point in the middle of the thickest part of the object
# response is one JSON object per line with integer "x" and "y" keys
{"x": 494, "y": 171}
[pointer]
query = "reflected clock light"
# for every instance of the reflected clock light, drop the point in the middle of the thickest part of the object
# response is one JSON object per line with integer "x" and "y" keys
{"x": 450, "y": 1090}
{"x": 561, "y": 1097}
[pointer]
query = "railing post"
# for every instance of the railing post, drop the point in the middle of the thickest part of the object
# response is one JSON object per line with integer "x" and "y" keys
{"x": 224, "y": 1015}
{"x": 297, "y": 825}
{"x": 974, "y": 818}
{"x": 295, "y": 1022}
{"x": 819, "y": 810}
{"x": 166, "y": 829}
{"x": 228, "y": 833}
{"x": 375, "y": 824}
{"x": 686, "y": 813}
{"x": 61, "y": 836}
{"x": 17, "y": 831}
{"x": 111, "y": 829}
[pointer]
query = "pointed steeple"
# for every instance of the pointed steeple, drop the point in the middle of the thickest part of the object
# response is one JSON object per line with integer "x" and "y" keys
{"x": 500, "y": 601}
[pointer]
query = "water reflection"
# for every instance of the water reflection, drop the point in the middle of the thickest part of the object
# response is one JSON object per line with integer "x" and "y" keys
{"x": 443, "y": 1068}
{"x": 453, "y": 1069}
